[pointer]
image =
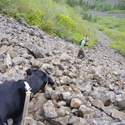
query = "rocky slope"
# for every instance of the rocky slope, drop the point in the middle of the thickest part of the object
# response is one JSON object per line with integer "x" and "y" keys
{"x": 87, "y": 91}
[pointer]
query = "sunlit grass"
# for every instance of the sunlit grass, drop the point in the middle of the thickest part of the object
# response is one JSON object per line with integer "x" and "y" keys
{"x": 115, "y": 29}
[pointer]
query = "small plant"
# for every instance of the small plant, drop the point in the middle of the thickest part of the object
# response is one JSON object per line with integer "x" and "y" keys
{"x": 66, "y": 21}
{"x": 35, "y": 17}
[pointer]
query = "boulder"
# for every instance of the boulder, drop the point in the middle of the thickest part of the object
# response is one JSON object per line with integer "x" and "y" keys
{"x": 18, "y": 60}
{"x": 60, "y": 121}
{"x": 36, "y": 105}
{"x": 65, "y": 57}
{"x": 48, "y": 67}
{"x": 63, "y": 111}
{"x": 86, "y": 111}
{"x": 75, "y": 103}
{"x": 120, "y": 101}
{"x": 34, "y": 50}
{"x": 74, "y": 120}
{"x": 48, "y": 92}
{"x": 64, "y": 80}
{"x": 66, "y": 96}
{"x": 49, "y": 110}
{"x": 3, "y": 68}
{"x": 61, "y": 103}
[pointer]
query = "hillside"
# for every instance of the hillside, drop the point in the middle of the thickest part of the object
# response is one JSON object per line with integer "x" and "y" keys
{"x": 72, "y": 19}
{"x": 87, "y": 92}
{"x": 46, "y": 34}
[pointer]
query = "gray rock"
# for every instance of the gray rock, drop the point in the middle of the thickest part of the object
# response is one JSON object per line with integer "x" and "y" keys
{"x": 36, "y": 51}
{"x": 49, "y": 110}
{"x": 77, "y": 81}
{"x": 61, "y": 103}
{"x": 64, "y": 80}
{"x": 97, "y": 103}
{"x": 75, "y": 103}
{"x": 56, "y": 62}
{"x": 60, "y": 121}
{"x": 3, "y": 68}
{"x": 63, "y": 111}
{"x": 56, "y": 95}
{"x": 120, "y": 101}
{"x": 47, "y": 67}
{"x": 48, "y": 92}
{"x": 2, "y": 57}
{"x": 103, "y": 94}
{"x": 115, "y": 113}
{"x": 118, "y": 114}
{"x": 2, "y": 78}
{"x": 58, "y": 73}
{"x": 13, "y": 54}
{"x": 18, "y": 60}
{"x": 86, "y": 88}
{"x": 36, "y": 105}
{"x": 65, "y": 57}
{"x": 77, "y": 121}
{"x": 87, "y": 112}
{"x": 66, "y": 96}
{"x": 8, "y": 61}
{"x": 36, "y": 63}
{"x": 40, "y": 123}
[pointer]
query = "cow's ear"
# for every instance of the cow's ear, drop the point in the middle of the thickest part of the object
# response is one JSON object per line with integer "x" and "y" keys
{"x": 28, "y": 72}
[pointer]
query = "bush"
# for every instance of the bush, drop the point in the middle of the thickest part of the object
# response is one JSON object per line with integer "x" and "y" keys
{"x": 72, "y": 2}
{"x": 4, "y": 4}
{"x": 66, "y": 21}
{"x": 35, "y": 17}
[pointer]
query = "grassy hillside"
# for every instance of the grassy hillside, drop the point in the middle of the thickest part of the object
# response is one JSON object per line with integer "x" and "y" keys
{"x": 70, "y": 19}
{"x": 115, "y": 29}
{"x": 54, "y": 17}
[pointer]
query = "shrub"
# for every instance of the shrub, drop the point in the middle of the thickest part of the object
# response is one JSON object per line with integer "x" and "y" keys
{"x": 35, "y": 17}
{"x": 66, "y": 21}
{"x": 4, "y": 4}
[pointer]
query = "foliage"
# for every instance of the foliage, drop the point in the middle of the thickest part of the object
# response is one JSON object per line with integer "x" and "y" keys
{"x": 114, "y": 28}
{"x": 66, "y": 21}
{"x": 4, "y": 3}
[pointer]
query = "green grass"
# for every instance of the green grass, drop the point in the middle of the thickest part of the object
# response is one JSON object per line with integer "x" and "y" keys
{"x": 117, "y": 11}
{"x": 119, "y": 46}
{"x": 115, "y": 29}
{"x": 56, "y": 18}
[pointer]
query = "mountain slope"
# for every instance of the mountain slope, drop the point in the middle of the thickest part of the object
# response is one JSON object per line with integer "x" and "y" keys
{"x": 88, "y": 91}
